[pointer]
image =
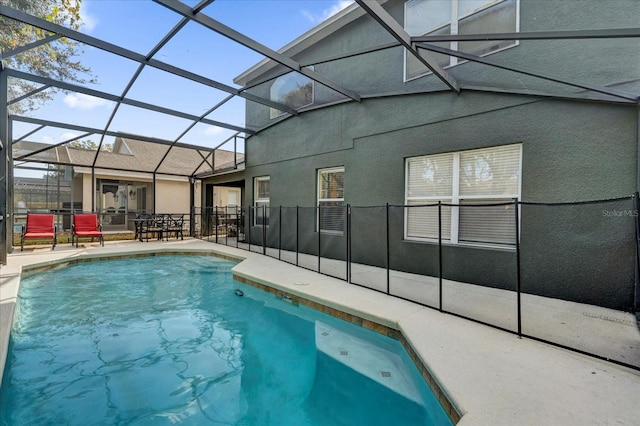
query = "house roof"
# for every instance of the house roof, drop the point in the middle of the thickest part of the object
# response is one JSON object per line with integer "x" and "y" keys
{"x": 317, "y": 33}
{"x": 140, "y": 156}
{"x": 152, "y": 154}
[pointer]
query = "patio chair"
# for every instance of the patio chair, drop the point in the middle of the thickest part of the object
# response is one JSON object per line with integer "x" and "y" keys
{"x": 154, "y": 225}
{"x": 174, "y": 224}
{"x": 141, "y": 223}
{"x": 39, "y": 226}
{"x": 86, "y": 225}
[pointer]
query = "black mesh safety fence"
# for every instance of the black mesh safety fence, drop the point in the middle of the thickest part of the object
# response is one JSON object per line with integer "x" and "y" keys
{"x": 368, "y": 247}
{"x": 479, "y": 263}
{"x": 288, "y": 234}
{"x": 575, "y": 257}
{"x": 554, "y": 272}
{"x": 333, "y": 240}
{"x": 271, "y": 231}
{"x": 245, "y": 229}
{"x": 413, "y": 255}
{"x": 255, "y": 230}
{"x": 308, "y": 238}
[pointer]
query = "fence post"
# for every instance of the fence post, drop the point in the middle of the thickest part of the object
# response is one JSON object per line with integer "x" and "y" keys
{"x": 280, "y": 233}
{"x": 238, "y": 215}
{"x": 348, "y": 244}
{"x": 516, "y": 204}
{"x": 388, "y": 254}
{"x": 215, "y": 224}
{"x": 440, "y": 255}
{"x": 319, "y": 232}
{"x": 249, "y": 210}
{"x": 264, "y": 229}
{"x": 387, "y": 242}
{"x": 636, "y": 293}
{"x": 226, "y": 226}
{"x": 297, "y": 233}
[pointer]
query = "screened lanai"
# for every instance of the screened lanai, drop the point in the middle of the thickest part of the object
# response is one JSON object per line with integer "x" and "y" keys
{"x": 165, "y": 84}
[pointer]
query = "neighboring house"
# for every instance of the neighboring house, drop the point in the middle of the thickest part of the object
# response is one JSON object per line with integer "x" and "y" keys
{"x": 124, "y": 181}
{"x": 412, "y": 141}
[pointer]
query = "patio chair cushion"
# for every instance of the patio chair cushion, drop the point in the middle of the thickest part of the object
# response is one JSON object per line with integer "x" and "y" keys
{"x": 36, "y": 235}
{"x": 86, "y": 225}
{"x": 39, "y": 226}
{"x": 88, "y": 233}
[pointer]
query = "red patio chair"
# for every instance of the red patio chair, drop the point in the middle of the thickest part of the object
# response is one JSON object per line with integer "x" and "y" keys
{"x": 39, "y": 226}
{"x": 86, "y": 225}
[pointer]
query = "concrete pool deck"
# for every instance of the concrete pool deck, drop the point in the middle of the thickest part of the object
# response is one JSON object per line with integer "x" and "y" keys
{"x": 492, "y": 377}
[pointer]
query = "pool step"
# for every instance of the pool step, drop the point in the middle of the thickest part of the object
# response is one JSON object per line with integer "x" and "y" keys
{"x": 378, "y": 364}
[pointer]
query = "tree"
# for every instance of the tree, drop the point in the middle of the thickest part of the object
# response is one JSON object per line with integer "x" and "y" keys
{"x": 90, "y": 145}
{"x": 56, "y": 59}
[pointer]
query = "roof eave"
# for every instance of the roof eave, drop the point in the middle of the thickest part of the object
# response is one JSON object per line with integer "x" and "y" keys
{"x": 314, "y": 35}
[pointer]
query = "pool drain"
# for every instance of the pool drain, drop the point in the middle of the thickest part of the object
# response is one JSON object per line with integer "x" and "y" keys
{"x": 239, "y": 292}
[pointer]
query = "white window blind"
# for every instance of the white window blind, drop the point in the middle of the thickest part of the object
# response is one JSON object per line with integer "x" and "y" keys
{"x": 422, "y": 221}
{"x": 492, "y": 224}
{"x": 479, "y": 184}
{"x": 430, "y": 177}
{"x": 490, "y": 172}
{"x": 331, "y": 209}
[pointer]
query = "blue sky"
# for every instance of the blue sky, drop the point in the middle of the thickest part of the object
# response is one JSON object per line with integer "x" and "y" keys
{"x": 139, "y": 25}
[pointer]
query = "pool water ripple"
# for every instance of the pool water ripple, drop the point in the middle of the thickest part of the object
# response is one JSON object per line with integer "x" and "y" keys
{"x": 166, "y": 340}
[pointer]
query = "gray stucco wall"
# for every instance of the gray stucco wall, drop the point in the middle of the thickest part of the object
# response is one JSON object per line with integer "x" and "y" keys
{"x": 597, "y": 62}
{"x": 572, "y": 151}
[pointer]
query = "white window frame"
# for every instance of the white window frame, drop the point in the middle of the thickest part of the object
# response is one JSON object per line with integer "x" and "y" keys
{"x": 258, "y": 202}
{"x": 453, "y": 61}
{"x": 456, "y": 199}
{"x": 320, "y": 200}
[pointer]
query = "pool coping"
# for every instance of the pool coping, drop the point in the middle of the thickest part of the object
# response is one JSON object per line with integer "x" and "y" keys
{"x": 490, "y": 376}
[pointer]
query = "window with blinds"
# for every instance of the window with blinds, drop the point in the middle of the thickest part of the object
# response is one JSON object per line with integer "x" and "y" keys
{"x": 438, "y": 17}
{"x": 261, "y": 198}
{"x": 331, "y": 208}
{"x": 477, "y": 187}
{"x": 429, "y": 180}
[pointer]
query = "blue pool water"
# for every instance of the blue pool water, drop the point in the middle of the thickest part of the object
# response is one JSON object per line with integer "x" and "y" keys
{"x": 165, "y": 340}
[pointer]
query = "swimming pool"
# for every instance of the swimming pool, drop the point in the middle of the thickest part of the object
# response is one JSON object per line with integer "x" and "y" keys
{"x": 166, "y": 340}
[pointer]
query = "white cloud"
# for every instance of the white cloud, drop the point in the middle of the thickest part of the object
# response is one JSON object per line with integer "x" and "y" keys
{"x": 68, "y": 135}
{"x": 317, "y": 18}
{"x": 213, "y": 130}
{"x": 89, "y": 21}
{"x": 82, "y": 101}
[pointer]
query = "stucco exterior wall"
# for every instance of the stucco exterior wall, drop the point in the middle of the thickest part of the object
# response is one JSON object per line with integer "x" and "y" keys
{"x": 572, "y": 151}
{"x": 87, "y": 195}
{"x": 172, "y": 197}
